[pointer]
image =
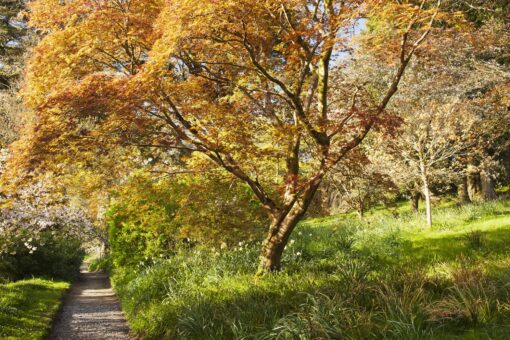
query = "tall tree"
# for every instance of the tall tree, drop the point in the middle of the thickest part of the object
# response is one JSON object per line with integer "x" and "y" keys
{"x": 246, "y": 84}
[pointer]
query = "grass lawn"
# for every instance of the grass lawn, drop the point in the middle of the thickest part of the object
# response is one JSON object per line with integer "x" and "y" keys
{"x": 386, "y": 276}
{"x": 28, "y": 307}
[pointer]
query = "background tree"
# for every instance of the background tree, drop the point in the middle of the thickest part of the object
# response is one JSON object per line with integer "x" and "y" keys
{"x": 490, "y": 57}
{"x": 432, "y": 137}
{"x": 474, "y": 76}
{"x": 357, "y": 185}
{"x": 13, "y": 33}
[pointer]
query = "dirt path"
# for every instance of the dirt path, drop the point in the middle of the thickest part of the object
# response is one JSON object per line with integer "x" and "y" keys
{"x": 90, "y": 311}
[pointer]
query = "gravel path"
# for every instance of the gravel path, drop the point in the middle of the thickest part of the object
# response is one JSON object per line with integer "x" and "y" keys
{"x": 90, "y": 311}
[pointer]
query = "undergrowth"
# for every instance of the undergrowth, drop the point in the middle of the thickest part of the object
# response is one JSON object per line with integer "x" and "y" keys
{"x": 384, "y": 277}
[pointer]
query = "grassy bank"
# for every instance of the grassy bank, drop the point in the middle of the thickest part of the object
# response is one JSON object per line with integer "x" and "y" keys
{"x": 28, "y": 307}
{"x": 382, "y": 277}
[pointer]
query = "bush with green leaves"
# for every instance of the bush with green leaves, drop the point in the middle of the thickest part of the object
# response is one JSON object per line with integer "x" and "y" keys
{"x": 152, "y": 219}
{"x": 51, "y": 255}
{"x": 102, "y": 264}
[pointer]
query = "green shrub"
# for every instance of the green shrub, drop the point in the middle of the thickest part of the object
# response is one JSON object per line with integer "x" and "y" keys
{"x": 54, "y": 256}
{"x": 153, "y": 219}
{"x": 103, "y": 264}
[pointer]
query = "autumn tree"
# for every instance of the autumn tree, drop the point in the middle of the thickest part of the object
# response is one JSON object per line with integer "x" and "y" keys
{"x": 444, "y": 131}
{"x": 245, "y": 84}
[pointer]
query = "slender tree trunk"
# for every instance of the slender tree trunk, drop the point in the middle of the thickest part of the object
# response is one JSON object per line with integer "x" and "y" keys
{"x": 415, "y": 201}
{"x": 361, "y": 210}
{"x": 428, "y": 204}
{"x": 426, "y": 193}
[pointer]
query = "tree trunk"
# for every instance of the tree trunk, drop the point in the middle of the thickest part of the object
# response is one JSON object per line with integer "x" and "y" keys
{"x": 474, "y": 184}
{"x": 282, "y": 225}
{"x": 361, "y": 209}
{"x": 426, "y": 192}
{"x": 415, "y": 201}
{"x": 488, "y": 187}
{"x": 463, "y": 191}
{"x": 274, "y": 245}
{"x": 428, "y": 204}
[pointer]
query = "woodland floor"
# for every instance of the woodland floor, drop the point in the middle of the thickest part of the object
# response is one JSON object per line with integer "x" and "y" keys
{"x": 90, "y": 311}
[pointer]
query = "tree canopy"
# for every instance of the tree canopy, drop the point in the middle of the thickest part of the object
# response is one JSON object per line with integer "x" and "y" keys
{"x": 246, "y": 86}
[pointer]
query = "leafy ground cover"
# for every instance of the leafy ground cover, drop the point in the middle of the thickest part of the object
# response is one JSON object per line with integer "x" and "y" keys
{"x": 28, "y": 307}
{"x": 382, "y": 277}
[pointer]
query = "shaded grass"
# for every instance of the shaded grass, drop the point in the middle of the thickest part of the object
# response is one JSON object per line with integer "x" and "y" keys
{"x": 381, "y": 277}
{"x": 27, "y": 307}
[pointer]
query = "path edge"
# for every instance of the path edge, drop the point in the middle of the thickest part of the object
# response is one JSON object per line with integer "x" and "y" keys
{"x": 58, "y": 313}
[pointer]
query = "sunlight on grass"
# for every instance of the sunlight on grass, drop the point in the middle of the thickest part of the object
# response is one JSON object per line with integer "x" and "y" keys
{"x": 28, "y": 307}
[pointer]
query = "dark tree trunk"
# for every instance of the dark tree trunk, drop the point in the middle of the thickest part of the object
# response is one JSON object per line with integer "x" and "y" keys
{"x": 488, "y": 187}
{"x": 463, "y": 191}
{"x": 415, "y": 201}
{"x": 481, "y": 186}
{"x": 505, "y": 163}
{"x": 474, "y": 185}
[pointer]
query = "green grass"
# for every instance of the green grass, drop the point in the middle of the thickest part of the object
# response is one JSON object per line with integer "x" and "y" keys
{"x": 386, "y": 276}
{"x": 27, "y": 307}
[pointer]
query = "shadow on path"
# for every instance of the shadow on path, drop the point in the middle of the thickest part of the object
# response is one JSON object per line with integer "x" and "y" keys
{"x": 90, "y": 311}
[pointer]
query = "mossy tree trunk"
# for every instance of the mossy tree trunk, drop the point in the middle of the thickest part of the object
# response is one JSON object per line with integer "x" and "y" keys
{"x": 488, "y": 186}
{"x": 480, "y": 185}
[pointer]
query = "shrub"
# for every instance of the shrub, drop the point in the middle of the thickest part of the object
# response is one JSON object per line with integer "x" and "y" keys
{"x": 50, "y": 256}
{"x": 472, "y": 299}
{"x": 152, "y": 219}
{"x": 103, "y": 264}
{"x": 346, "y": 237}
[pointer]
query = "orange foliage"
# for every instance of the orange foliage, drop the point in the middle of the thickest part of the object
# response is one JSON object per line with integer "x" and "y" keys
{"x": 248, "y": 84}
